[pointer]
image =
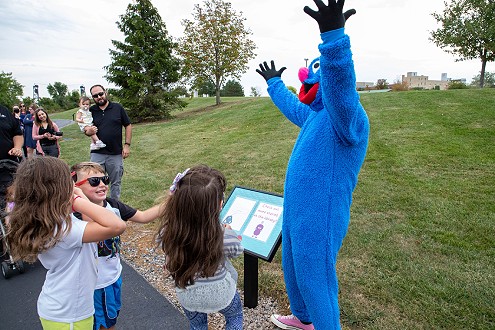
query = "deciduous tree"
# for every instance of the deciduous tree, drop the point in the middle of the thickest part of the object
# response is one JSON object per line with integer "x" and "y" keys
{"x": 399, "y": 85}
{"x": 216, "y": 44}
{"x": 143, "y": 65}
{"x": 468, "y": 31}
{"x": 381, "y": 84}
{"x": 489, "y": 80}
{"x": 292, "y": 89}
{"x": 10, "y": 90}
{"x": 73, "y": 98}
{"x": 255, "y": 91}
{"x": 58, "y": 92}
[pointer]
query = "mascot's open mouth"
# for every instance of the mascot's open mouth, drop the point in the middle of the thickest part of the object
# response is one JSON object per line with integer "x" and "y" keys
{"x": 307, "y": 93}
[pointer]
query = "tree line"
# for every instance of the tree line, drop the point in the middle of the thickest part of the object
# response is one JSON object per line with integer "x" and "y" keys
{"x": 60, "y": 96}
{"x": 152, "y": 70}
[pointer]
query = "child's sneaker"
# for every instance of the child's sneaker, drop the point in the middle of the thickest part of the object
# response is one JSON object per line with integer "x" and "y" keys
{"x": 290, "y": 322}
{"x": 100, "y": 144}
{"x": 93, "y": 146}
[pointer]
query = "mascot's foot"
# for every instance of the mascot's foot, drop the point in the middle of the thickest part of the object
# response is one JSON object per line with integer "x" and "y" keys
{"x": 290, "y": 322}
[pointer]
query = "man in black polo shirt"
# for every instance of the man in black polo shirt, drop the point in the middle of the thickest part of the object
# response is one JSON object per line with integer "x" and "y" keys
{"x": 11, "y": 139}
{"x": 108, "y": 120}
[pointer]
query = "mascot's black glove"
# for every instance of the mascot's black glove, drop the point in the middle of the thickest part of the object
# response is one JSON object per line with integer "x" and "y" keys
{"x": 329, "y": 17}
{"x": 269, "y": 73}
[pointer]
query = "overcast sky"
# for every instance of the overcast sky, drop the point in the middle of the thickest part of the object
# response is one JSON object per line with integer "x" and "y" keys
{"x": 68, "y": 41}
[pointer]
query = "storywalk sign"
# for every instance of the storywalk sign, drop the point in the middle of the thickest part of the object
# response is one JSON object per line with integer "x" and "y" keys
{"x": 257, "y": 217}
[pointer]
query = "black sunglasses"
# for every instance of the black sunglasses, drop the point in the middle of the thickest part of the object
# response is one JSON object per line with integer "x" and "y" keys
{"x": 98, "y": 94}
{"x": 94, "y": 181}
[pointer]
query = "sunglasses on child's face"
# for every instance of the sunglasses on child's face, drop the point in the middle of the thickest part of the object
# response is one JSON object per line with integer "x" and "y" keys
{"x": 94, "y": 181}
{"x": 98, "y": 94}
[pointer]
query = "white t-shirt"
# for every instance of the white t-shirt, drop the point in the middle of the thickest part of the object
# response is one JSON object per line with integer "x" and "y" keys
{"x": 86, "y": 116}
{"x": 109, "y": 266}
{"x": 67, "y": 294}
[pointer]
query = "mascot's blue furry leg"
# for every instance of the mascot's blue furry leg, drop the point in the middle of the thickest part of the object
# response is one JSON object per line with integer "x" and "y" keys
{"x": 311, "y": 281}
{"x": 297, "y": 305}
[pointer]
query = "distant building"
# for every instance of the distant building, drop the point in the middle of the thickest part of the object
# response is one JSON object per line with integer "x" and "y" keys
{"x": 364, "y": 85}
{"x": 414, "y": 81}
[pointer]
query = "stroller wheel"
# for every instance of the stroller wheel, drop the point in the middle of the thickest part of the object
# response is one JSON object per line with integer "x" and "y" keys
{"x": 6, "y": 271}
{"x": 20, "y": 266}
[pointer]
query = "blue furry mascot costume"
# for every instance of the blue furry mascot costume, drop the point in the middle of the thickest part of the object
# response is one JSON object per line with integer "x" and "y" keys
{"x": 322, "y": 171}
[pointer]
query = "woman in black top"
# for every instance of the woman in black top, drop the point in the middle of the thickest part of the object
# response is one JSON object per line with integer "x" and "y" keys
{"x": 44, "y": 131}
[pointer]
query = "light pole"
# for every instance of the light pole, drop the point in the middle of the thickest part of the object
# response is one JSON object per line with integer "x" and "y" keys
{"x": 36, "y": 95}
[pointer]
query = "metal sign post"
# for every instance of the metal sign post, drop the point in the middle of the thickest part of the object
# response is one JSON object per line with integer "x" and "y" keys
{"x": 250, "y": 281}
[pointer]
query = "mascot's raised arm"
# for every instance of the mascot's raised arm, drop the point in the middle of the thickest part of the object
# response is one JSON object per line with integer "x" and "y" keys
{"x": 322, "y": 171}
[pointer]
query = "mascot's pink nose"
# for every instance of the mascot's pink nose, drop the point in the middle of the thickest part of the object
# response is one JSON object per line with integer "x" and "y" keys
{"x": 303, "y": 74}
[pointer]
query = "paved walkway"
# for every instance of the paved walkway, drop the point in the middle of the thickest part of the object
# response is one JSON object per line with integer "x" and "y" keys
{"x": 142, "y": 306}
{"x": 62, "y": 122}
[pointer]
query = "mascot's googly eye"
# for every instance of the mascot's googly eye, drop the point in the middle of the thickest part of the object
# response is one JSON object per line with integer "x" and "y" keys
{"x": 315, "y": 67}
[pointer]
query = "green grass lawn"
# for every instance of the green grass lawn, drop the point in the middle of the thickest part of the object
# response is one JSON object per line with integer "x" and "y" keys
{"x": 420, "y": 249}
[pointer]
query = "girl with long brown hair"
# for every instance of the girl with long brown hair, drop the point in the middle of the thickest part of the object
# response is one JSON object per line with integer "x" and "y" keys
{"x": 197, "y": 247}
{"x": 41, "y": 227}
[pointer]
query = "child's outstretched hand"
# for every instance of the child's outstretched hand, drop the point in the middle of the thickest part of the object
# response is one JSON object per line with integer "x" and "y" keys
{"x": 239, "y": 237}
{"x": 329, "y": 17}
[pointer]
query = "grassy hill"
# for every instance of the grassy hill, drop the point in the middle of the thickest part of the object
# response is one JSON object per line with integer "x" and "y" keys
{"x": 420, "y": 249}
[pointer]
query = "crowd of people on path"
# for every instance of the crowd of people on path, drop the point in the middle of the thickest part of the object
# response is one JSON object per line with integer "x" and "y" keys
{"x": 76, "y": 226}
{"x": 34, "y": 131}
{"x": 65, "y": 238}
{"x": 35, "y": 134}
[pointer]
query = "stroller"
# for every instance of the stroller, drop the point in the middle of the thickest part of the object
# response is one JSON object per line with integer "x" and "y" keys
{"x": 9, "y": 266}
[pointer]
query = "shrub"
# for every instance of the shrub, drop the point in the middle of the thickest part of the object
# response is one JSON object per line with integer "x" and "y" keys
{"x": 455, "y": 84}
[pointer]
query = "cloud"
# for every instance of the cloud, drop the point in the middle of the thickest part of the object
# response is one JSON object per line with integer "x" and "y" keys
{"x": 68, "y": 41}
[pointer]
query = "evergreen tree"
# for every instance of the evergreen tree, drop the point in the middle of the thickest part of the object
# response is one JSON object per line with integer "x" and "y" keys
{"x": 232, "y": 88}
{"x": 206, "y": 88}
{"x": 215, "y": 44}
{"x": 143, "y": 66}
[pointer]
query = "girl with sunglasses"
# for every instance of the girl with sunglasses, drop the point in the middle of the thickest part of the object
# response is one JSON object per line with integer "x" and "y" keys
{"x": 63, "y": 244}
{"x": 91, "y": 179}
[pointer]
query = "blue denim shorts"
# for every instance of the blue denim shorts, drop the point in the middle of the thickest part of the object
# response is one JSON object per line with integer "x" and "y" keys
{"x": 107, "y": 305}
